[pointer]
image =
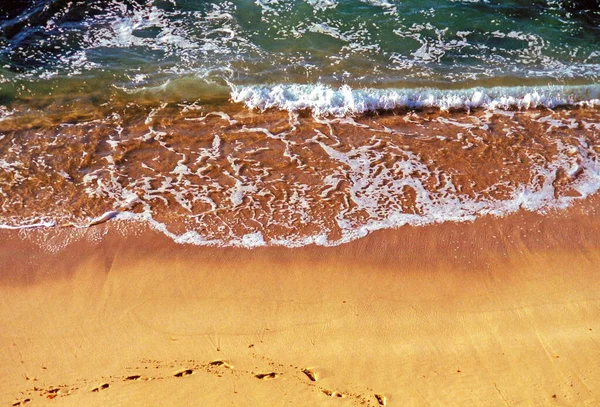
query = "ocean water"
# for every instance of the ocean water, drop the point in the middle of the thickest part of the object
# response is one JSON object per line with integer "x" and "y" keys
{"x": 274, "y": 122}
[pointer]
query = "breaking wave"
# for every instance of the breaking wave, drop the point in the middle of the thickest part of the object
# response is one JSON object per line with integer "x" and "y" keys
{"x": 324, "y": 100}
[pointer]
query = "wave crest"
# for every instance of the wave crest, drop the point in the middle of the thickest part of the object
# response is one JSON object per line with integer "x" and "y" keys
{"x": 324, "y": 100}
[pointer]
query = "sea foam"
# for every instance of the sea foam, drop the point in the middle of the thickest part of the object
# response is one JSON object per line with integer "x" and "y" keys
{"x": 325, "y": 100}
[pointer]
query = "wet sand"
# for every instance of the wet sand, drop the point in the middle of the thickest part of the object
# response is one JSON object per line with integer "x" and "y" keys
{"x": 495, "y": 312}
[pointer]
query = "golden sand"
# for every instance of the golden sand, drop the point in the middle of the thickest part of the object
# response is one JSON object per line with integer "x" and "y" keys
{"x": 492, "y": 313}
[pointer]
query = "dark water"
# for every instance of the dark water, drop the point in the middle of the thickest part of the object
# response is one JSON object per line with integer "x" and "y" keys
{"x": 199, "y": 49}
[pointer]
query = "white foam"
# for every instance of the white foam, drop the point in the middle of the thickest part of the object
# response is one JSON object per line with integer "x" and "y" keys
{"x": 5, "y": 113}
{"x": 324, "y": 100}
{"x": 322, "y": 4}
{"x": 29, "y": 225}
{"x": 251, "y": 240}
{"x": 362, "y": 188}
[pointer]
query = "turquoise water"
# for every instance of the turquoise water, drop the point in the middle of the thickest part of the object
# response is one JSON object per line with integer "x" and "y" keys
{"x": 199, "y": 50}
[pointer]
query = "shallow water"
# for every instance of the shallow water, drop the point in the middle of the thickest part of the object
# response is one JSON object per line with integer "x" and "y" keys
{"x": 245, "y": 178}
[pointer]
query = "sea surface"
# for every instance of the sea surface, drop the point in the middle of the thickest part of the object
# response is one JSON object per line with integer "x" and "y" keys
{"x": 271, "y": 122}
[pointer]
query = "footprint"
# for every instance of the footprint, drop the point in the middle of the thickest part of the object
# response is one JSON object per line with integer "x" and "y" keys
{"x": 311, "y": 375}
{"x": 51, "y": 393}
{"x": 185, "y": 372}
{"x": 101, "y": 387}
{"x": 266, "y": 376}
{"x": 381, "y": 399}
{"x": 22, "y": 402}
{"x": 220, "y": 363}
{"x": 333, "y": 393}
{"x": 134, "y": 377}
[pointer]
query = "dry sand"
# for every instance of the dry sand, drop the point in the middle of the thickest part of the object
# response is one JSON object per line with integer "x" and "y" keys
{"x": 492, "y": 313}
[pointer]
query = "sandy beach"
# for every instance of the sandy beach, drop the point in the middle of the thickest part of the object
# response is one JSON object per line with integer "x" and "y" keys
{"x": 496, "y": 312}
{"x": 299, "y": 203}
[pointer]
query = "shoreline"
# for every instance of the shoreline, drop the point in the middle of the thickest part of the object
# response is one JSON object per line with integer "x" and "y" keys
{"x": 436, "y": 315}
{"x": 320, "y": 203}
{"x": 251, "y": 179}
